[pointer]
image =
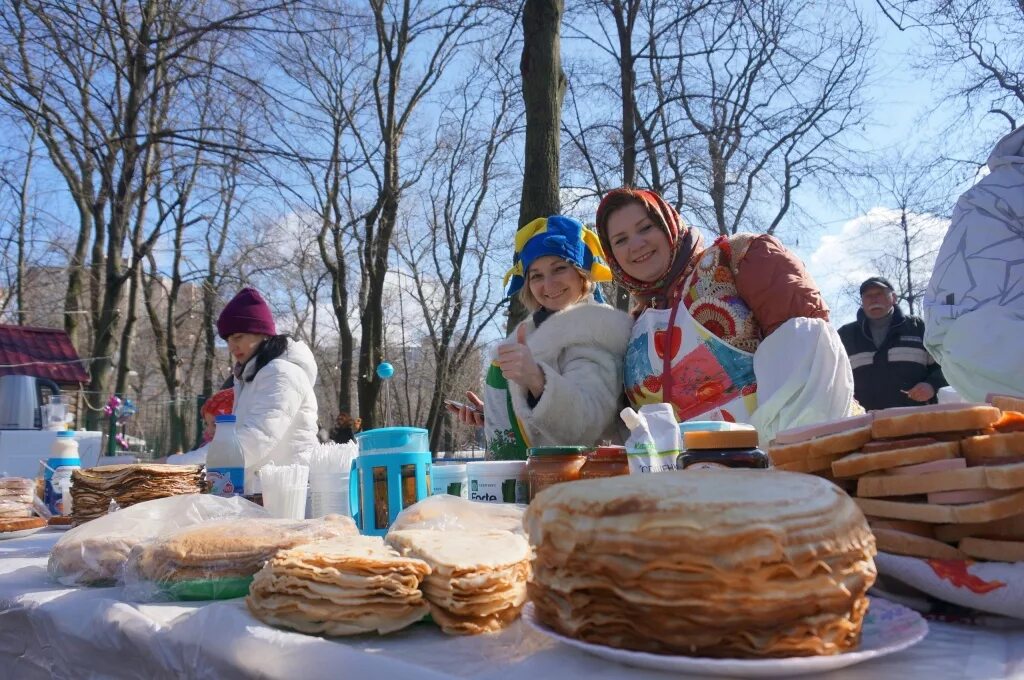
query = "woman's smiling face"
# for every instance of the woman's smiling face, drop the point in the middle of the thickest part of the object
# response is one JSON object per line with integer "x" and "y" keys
{"x": 555, "y": 283}
{"x": 639, "y": 245}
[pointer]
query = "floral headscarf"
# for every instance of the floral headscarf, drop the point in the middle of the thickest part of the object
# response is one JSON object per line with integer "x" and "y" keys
{"x": 684, "y": 241}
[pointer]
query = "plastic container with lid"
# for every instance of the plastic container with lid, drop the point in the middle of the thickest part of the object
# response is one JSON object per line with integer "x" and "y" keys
{"x": 498, "y": 481}
{"x": 393, "y": 440}
{"x": 63, "y": 459}
{"x": 449, "y": 478}
{"x": 721, "y": 449}
{"x": 549, "y": 465}
{"x": 605, "y": 461}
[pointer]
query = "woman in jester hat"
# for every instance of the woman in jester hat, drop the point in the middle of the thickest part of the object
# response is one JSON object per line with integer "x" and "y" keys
{"x": 735, "y": 331}
{"x": 557, "y": 379}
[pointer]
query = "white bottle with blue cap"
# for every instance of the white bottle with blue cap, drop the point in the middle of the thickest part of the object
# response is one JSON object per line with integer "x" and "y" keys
{"x": 225, "y": 463}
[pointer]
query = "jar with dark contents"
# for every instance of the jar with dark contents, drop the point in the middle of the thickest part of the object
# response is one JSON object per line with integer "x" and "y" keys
{"x": 605, "y": 461}
{"x": 549, "y": 465}
{"x": 724, "y": 449}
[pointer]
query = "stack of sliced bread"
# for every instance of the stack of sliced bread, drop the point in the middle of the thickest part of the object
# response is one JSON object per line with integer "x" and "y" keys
{"x": 943, "y": 481}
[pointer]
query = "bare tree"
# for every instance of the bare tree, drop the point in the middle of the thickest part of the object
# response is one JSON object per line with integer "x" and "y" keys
{"x": 738, "y": 104}
{"x": 450, "y": 261}
{"x": 977, "y": 51}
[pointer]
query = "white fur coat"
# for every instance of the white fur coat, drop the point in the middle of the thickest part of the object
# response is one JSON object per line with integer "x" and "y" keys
{"x": 580, "y": 350}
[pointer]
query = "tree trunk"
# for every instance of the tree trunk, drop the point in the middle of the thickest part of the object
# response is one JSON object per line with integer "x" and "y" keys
{"x": 543, "y": 91}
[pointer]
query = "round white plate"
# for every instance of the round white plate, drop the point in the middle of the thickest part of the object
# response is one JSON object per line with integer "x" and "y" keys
{"x": 888, "y": 628}
{"x": 20, "y": 532}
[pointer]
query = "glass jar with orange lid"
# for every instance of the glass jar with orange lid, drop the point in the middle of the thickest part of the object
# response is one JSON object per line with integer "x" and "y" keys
{"x": 549, "y": 465}
{"x": 605, "y": 461}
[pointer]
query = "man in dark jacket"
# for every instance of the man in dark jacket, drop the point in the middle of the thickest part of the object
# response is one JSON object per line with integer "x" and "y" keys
{"x": 891, "y": 367}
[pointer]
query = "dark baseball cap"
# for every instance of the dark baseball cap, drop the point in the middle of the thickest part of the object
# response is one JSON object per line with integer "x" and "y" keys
{"x": 879, "y": 281}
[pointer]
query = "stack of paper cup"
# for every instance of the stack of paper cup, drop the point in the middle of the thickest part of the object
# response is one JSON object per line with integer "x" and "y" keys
{"x": 329, "y": 493}
{"x": 329, "y": 466}
{"x": 284, "y": 490}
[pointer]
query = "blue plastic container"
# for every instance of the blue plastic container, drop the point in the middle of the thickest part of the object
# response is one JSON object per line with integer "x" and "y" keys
{"x": 705, "y": 426}
{"x": 376, "y": 483}
{"x": 393, "y": 440}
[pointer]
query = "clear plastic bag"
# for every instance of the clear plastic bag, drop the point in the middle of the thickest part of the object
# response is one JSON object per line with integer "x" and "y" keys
{"x": 94, "y": 553}
{"x": 452, "y": 513}
{"x": 217, "y": 560}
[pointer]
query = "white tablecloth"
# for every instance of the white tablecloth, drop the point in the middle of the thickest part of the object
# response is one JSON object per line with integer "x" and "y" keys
{"x": 49, "y": 631}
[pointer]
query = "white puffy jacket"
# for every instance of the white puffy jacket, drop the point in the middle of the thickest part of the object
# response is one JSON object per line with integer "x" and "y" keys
{"x": 974, "y": 306}
{"x": 276, "y": 412}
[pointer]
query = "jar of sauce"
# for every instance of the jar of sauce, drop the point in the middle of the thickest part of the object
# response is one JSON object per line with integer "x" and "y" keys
{"x": 725, "y": 449}
{"x": 549, "y": 465}
{"x": 605, "y": 461}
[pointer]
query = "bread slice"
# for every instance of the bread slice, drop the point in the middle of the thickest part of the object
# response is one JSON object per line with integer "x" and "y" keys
{"x": 1007, "y": 506}
{"x": 828, "y": 446}
{"x": 1008, "y": 528}
{"x": 808, "y": 465}
{"x": 902, "y": 543}
{"x": 915, "y": 420}
{"x": 1006, "y": 402}
{"x": 857, "y": 464}
{"x": 994, "y": 551}
{"x": 993, "y": 477}
{"x": 904, "y": 525}
{"x": 983, "y": 448}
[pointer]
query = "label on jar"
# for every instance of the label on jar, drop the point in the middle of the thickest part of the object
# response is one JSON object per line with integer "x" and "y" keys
{"x": 226, "y": 481}
{"x": 706, "y": 466}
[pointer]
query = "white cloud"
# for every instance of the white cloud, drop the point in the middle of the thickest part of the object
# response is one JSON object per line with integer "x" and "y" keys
{"x": 858, "y": 249}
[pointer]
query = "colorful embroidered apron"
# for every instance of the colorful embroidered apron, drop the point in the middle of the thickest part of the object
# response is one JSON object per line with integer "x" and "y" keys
{"x": 706, "y": 378}
{"x": 505, "y": 435}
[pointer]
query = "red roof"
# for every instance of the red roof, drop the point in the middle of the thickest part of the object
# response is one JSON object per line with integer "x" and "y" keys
{"x": 40, "y": 352}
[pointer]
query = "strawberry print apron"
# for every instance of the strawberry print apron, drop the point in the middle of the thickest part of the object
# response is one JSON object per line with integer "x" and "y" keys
{"x": 671, "y": 357}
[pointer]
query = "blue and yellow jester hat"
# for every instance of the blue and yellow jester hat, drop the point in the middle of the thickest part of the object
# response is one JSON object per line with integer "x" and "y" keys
{"x": 562, "y": 237}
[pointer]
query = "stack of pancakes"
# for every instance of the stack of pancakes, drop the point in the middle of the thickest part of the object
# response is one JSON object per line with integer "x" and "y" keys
{"x": 477, "y": 581}
{"x": 345, "y": 586}
{"x": 227, "y": 551}
{"x": 734, "y": 563}
{"x": 16, "y": 497}
{"x": 93, "y": 490}
{"x": 943, "y": 481}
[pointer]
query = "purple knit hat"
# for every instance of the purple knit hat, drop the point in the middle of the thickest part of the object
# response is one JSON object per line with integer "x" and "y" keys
{"x": 247, "y": 312}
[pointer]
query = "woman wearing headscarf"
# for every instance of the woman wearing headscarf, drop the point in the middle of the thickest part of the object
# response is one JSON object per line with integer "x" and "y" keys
{"x": 735, "y": 330}
{"x": 557, "y": 379}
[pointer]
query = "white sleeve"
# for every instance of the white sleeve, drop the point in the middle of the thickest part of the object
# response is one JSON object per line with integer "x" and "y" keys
{"x": 579, "y": 403}
{"x": 803, "y": 377}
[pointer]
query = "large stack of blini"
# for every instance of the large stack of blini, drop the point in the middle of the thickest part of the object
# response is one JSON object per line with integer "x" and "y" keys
{"x": 943, "y": 481}
{"x": 707, "y": 563}
{"x": 345, "y": 586}
{"x": 16, "y": 497}
{"x": 477, "y": 580}
{"x": 222, "y": 552}
{"x": 93, "y": 490}
{"x": 16, "y": 505}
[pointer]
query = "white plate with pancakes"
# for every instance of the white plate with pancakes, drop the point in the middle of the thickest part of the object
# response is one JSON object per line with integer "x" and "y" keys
{"x": 888, "y": 628}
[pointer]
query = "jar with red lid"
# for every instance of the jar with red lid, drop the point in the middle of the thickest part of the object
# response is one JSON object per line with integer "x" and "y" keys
{"x": 605, "y": 461}
{"x": 549, "y": 465}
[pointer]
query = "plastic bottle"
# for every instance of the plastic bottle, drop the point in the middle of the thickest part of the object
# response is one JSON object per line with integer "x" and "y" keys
{"x": 225, "y": 463}
{"x": 641, "y": 450}
{"x": 63, "y": 457}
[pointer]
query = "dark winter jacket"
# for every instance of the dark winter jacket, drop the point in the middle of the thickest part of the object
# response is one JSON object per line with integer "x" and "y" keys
{"x": 879, "y": 373}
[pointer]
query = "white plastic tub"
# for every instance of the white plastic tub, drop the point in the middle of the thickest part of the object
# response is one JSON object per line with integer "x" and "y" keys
{"x": 498, "y": 481}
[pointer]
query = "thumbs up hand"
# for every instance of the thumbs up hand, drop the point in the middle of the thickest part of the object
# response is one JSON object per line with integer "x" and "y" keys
{"x": 518, "y": 365}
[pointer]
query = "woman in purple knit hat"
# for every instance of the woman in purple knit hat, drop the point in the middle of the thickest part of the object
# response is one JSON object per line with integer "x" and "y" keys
{"x": 274, "y": 375}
